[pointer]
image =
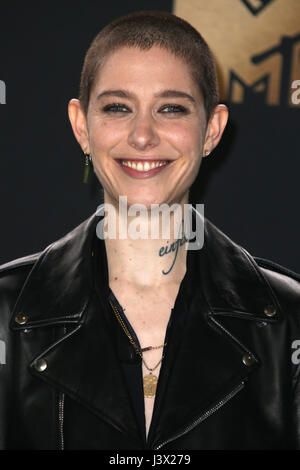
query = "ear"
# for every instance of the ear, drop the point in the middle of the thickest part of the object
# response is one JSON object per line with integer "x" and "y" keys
{"x": 79, "y": 124}
{"x": 215, "y": 128}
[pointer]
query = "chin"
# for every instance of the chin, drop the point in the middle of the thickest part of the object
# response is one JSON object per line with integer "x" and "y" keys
{"x": 147, "y": 202}
{"x": 139, "y": 197}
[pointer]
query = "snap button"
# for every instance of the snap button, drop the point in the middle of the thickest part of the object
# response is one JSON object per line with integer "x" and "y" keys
{"x": 269, "y": 310}
{"x": 40, "y": 365}
{"x": 21, "y": 318}
{"x": 248, "y": 360}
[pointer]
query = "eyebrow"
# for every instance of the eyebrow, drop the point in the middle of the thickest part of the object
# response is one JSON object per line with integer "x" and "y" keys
{"x": 161, "y": 94}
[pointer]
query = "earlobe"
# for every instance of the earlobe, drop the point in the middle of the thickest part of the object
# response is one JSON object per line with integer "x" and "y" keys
{"x": 78, "y": 122}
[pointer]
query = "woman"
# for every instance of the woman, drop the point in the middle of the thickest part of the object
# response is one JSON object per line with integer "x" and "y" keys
{"x": 121, "y": 342}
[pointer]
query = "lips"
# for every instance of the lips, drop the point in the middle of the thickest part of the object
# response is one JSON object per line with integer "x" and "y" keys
{"x": 143, "y": 168}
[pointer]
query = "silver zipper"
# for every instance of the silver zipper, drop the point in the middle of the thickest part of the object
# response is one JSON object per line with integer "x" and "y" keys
{"x": 61, "y": 403}
{"x": 205, "y": 415}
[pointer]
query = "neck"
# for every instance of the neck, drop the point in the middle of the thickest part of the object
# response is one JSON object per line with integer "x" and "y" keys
{"x": 157, "y": 258}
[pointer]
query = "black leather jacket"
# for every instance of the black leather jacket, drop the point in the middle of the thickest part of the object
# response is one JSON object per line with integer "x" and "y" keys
{"x": 233, "y": 382}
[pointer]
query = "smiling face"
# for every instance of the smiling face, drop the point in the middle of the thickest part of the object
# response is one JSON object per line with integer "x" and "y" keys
{"x": 145, "y": 127}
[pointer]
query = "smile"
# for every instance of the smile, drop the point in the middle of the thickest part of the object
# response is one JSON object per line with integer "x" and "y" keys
{"x": 143, "y": 168}
{"x": 143, "y": 165}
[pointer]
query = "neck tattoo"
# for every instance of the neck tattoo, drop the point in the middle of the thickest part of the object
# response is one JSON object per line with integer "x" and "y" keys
{"x": 165, "y": 250}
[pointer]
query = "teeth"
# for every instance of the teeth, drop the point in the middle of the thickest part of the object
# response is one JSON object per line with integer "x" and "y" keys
{"x": 143, "y": 166}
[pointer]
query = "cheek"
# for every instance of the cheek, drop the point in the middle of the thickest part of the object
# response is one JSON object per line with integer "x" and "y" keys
{"x": 104, "y": 136}
{"x": 187, "y": 139}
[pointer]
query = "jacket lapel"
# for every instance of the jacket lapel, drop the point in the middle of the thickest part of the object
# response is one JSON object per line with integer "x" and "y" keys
{"x": 84, "y": 365}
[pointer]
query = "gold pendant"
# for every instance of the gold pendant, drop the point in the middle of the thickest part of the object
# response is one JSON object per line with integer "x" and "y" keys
{"x": 150, "y": 384}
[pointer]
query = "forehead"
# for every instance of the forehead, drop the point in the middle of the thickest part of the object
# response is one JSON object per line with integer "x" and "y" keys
{"x": 150, "y": 70}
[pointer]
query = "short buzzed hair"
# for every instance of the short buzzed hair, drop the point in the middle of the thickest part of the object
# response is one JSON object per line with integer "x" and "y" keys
{"x": 144, "y": 30}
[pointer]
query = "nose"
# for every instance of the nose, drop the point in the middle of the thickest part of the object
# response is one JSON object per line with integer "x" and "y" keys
{"x": 143, "y": 133}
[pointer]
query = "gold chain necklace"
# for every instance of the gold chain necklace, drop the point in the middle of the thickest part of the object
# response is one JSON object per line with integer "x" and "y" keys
{"x": 149, "y": 380}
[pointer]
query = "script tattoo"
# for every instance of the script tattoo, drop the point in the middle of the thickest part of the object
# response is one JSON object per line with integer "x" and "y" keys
{"x": 165, "y": 250}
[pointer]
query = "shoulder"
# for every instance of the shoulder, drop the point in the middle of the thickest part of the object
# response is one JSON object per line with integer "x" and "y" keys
{"x": 11, "y": 266}
{"x": 13, "y": 276}
{"x": 16, "y": 271}
{"x": 284, "y": 282}
{"x": 248, "y": 280}
{"x": 18, "y": 267}
{"x": 277, "y": 268}
{"x": 32, "y": 276}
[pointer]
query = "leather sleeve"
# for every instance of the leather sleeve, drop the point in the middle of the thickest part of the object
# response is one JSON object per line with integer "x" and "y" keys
{"x": 286, "y": 286}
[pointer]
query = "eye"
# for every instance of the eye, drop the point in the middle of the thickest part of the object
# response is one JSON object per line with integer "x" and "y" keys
{"x": 115, "y": 108}
{"x": 173, "y": 108}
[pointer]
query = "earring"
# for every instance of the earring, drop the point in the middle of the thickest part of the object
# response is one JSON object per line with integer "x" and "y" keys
{"x": 206, "y": 153}
{"x": 88, "y": 160}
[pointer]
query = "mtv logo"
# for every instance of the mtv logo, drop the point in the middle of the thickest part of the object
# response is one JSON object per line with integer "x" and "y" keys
{"x": 2, "y": 92}
{"x": 257, "y": 55}
{"x": 256, "y": 6}
{"x": 2, "y": 352}
{"x": 273, "y": 85}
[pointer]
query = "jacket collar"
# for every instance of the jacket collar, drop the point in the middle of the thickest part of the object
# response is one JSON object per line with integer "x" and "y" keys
{"x": 231, "y": 280}
{"x": 60, "y": 283}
